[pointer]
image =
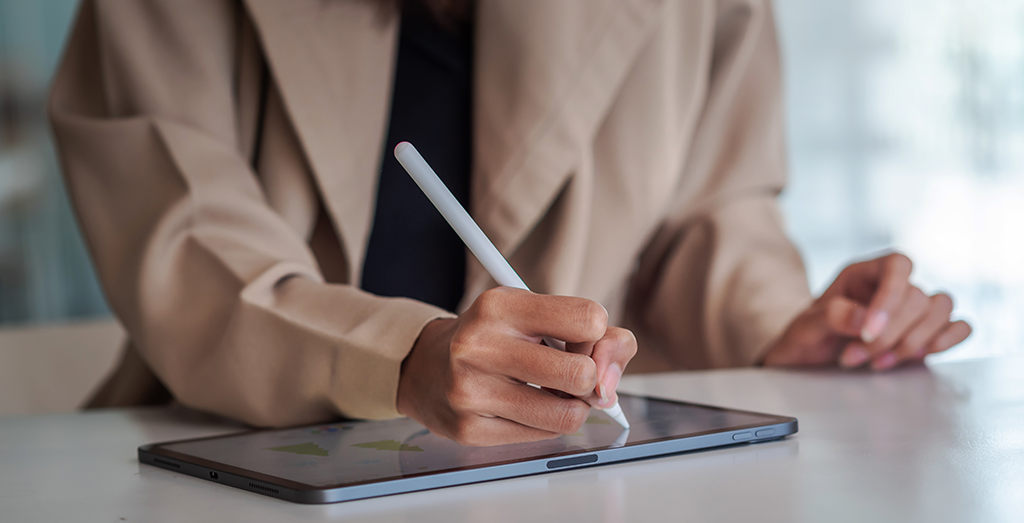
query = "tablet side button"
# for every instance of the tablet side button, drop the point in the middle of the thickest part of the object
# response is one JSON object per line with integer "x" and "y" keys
{"x": 764, "y": 433}
{"x": 568, "y": 462}
{"x": 740, "y": 436}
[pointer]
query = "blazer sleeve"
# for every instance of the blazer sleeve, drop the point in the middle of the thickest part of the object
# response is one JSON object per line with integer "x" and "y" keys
{"x": 720, "y": 279}
{"x": 224, "y": 301}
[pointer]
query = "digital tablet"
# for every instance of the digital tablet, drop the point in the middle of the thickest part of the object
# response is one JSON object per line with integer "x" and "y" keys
{"x": 361, "y": 459}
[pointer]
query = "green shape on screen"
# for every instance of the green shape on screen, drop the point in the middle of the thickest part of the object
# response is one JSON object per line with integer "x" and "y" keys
{"x": 388, "y": 444}
{"x": 306, "y": 449}
{"x": 597, "y": 420}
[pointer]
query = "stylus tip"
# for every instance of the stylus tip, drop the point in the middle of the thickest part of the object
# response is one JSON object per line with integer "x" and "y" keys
{"x": 615, "y": 412}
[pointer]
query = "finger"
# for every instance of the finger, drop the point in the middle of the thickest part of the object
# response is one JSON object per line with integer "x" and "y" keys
{"x": 585, "y": 348}
{"x": 835, "y": 315}
{"x": 826, "y": 318}
{"x": 611, "y": 355}
{"x": 541, "y": 365}
{"x": 893, "y": 280}
{"x": 951, "y": 334}
{"x": 538, "y": 409}
{"x": 570, "y": 319}
{"x": 854, "y": 355}
{"x": 955, "y": 333}
{"x": 940, "y": 306}
{"x": 910, "y": 312}
{"x": 857, "y": 281}
{"x": 482, "y": 431}
{"x": 816, "y": 333}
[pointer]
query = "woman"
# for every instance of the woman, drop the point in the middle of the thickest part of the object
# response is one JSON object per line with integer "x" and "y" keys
{"x": 225, "y": 160}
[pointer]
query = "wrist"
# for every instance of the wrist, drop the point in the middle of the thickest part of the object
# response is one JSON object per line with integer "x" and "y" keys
{"x": 429, "y": 347}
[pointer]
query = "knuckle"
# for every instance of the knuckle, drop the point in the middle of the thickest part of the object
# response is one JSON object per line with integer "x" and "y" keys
{"x": 593, "y": 317}
{"x": 958, "y": 332}
{"x": 626, "y": 338}
{"x": 898, "y": 259}
{"x": 837, "y": 313}
{"x": 579, "y": 374}
{"x": 943, "y": 302}
{"x": 460, "y": 396}
{"x": 572, "y": 415}
{"x": 833, "y": 309}
{"x": 461, "y": 340}
{"x": 917, "y": 298}
{"x": 965, "y": 328}
{"x": 490, "y": 303}
{"x": 465, "y": 345}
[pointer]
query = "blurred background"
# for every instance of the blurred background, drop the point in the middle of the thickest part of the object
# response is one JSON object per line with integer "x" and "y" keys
{"x": 906, "y": 131}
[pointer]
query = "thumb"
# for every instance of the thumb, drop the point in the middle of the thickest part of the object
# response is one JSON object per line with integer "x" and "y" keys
{"x": 611, "y": 354}
{"x": 809, "y": 339}
{"x": 830, "y": 316}
{"x": 893, "y": 277}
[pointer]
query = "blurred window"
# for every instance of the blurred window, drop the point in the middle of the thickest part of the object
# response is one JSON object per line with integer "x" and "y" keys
{"x": 906, "y": 129}
{"x": 45, "y": 273}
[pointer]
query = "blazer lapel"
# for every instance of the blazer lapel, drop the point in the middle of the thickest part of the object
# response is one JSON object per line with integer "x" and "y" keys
{"x": 546, "y": 73}
{"x": 332, "y": 61}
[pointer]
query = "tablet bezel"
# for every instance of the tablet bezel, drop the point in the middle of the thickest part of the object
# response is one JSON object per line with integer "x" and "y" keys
{"x": 155, "y": 454}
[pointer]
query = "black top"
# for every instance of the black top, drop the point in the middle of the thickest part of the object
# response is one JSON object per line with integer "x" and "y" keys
{"x": 412, "y": 251}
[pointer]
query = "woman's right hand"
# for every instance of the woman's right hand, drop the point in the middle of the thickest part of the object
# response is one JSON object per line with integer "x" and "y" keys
{"x": 466, "y": 378}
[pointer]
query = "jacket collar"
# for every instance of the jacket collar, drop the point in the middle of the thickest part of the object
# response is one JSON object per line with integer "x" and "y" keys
{"x": 545, "y": 77}
{"x": 546, "y": 73}
{"x": 332, "y": 61}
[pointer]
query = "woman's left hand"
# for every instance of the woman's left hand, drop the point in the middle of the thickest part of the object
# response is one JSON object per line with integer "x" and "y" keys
{"x": 872, "y": 315}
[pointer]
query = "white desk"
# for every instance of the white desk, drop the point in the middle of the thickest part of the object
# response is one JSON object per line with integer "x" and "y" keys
{"x": 945, "y": 444}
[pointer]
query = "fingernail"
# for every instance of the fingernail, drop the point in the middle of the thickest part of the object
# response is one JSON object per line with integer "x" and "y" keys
{"x": 874, "y": 327}
{"x": 609, "y": 383}
{"x": 854, "y": 356}
{"x": 884, "y": 362}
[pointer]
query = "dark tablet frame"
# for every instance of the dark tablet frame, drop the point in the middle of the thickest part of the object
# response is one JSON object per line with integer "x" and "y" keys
{"x": 774, "y": 427}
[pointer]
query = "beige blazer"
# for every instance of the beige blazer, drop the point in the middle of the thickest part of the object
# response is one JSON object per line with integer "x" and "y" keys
{"x": 222, "y": 157}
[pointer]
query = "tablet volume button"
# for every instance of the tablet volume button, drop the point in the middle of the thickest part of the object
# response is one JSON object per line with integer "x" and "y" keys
{"x": 740, "y": 436}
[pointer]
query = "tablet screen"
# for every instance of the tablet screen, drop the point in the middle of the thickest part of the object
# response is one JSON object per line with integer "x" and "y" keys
{"x": 356, "y": 452}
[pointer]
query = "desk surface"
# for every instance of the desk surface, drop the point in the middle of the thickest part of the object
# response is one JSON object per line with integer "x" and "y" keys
{"x": 938, "y": 444}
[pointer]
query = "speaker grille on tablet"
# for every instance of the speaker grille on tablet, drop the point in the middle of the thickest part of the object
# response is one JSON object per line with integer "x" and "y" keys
{"x": 261, "y": 487}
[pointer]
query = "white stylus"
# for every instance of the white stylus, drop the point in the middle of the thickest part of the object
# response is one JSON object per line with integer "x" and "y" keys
{"x": 474, "y": 238}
